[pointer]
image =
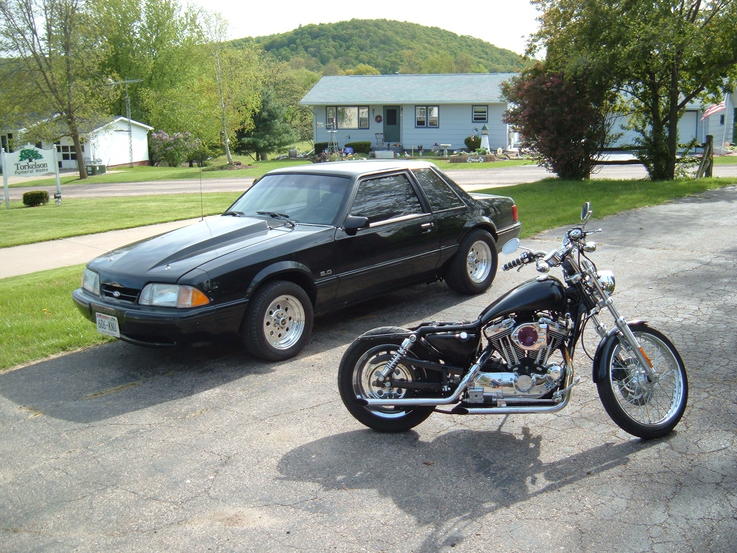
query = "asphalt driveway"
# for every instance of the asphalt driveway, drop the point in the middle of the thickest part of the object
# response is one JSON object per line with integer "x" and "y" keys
{"x": 119, "y": 448}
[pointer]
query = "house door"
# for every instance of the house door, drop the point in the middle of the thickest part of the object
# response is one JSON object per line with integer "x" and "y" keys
{"x": 391, "y": 123}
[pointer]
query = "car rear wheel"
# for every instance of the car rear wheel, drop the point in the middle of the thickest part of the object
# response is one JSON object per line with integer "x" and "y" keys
{"x": 474, "y": 265}
{"x": 278, "y": 323}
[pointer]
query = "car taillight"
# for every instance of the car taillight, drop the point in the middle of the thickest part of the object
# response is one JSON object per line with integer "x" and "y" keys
{"x": 515, "y": 214}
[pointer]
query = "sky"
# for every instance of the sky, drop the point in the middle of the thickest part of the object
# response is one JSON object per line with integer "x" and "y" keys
{"x": 503, "y": 23}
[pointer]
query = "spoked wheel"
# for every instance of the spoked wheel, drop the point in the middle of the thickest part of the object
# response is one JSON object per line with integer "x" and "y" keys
{"x": 645, "y": 407}
{"x": 359, "y": 376}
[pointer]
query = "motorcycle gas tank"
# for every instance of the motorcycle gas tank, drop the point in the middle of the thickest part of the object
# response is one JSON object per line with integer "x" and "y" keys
{"x": 533, "y": 295}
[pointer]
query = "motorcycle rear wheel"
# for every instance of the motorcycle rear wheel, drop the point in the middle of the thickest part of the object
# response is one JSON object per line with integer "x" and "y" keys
{"x": 642, "y": 408}
{"x": 357, "y": 379}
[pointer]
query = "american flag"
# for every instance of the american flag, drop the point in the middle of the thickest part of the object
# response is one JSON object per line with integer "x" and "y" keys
{"x": 714, "y": 108}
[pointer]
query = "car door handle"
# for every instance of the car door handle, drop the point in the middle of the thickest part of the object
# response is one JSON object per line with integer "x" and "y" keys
{"x": 427, "y": 227}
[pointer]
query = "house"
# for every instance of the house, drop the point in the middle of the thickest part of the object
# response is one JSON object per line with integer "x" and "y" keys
{"x": 106, "y": 142}
{"x": 410, "y": 112}
{"x": 695, "y": 124}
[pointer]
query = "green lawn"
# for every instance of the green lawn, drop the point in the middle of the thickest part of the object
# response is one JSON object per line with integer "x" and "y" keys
{"x": 77, "y": 216}
{"x": 216, "y": 171}
{"x": 550, "y": 203}
{"x": 39, "y": 318}
{"x": 725, "y": 160}
{"x": 150, "y": 174}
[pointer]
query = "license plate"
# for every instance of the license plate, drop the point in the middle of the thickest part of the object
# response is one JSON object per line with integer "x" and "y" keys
{"x": 107, "y": 324}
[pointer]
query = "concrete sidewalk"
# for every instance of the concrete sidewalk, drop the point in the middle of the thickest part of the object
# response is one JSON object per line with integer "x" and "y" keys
{"x": 29, "y": 258}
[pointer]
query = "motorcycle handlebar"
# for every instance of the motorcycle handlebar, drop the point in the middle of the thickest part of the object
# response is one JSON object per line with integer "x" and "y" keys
{"x": 526, "y": 257}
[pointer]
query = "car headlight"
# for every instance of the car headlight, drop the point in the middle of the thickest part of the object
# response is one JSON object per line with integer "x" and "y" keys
{"x": 172, "y": 295}
{"x": 91, "y": 282}
{"x": 606, "y": 279}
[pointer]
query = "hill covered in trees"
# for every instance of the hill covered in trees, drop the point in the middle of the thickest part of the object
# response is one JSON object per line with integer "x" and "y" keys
{"x": 384, "y": 46}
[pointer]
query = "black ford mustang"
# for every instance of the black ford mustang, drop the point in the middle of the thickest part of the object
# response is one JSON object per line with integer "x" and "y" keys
{"x": 299, "y": 242}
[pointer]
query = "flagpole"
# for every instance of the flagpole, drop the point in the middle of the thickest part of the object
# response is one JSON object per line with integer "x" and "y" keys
{"x": 724, "y": 132}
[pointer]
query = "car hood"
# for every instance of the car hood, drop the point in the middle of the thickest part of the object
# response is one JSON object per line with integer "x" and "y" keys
{"x": 169, "y": 256}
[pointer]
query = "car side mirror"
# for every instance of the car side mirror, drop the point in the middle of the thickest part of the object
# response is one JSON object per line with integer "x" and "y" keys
{"x": 353, "y": 223}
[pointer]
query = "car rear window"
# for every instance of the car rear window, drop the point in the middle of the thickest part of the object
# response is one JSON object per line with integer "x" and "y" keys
{"x": 439, "y": 193}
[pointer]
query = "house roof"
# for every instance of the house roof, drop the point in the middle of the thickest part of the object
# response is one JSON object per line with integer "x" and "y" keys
{"x": 463, "y": 88}
{"x": 105, "y": 123}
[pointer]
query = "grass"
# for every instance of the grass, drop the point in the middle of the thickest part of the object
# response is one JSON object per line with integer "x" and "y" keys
{"x": 217, "y": 170}
{"x": 552, "y": 203}
{"x": 152, "y": 174}
{"x": 77, "y": 216}
{"x": 39, "y": 318}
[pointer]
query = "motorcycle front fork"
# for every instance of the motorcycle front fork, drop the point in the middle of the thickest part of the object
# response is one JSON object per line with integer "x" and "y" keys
{"x": 630, "y": 340}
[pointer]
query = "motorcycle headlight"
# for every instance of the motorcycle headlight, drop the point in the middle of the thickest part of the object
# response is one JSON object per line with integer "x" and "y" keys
{"x": 172, "y": 295}
{"x": 607, "y": 282}
{"x": 91, "y": 282}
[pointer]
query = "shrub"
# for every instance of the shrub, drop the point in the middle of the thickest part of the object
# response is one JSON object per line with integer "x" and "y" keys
{"x": 473, "y": 142}
{"x": 360, "y": 147}
{"x": 561, "y": 118}
{"x": 174, "y": 149}
{"x": 36, "y": 197}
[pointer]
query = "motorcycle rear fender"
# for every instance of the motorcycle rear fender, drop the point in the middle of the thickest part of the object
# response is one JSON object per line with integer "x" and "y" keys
{"x": 383, "y": 333}
{"x": 606, "y": 345}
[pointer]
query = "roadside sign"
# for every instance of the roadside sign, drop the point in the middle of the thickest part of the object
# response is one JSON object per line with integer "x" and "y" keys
{"x": 29, "y": 161}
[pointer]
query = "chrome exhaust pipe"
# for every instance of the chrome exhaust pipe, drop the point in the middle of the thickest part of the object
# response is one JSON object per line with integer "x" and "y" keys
{"x": 429, "y": 402}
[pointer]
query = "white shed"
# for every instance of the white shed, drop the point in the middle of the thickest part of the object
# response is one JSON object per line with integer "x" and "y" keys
{"x": 111, "y": 142}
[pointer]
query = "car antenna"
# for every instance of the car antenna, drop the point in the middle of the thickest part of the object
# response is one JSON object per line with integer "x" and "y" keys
{"x": 202, "y": 205}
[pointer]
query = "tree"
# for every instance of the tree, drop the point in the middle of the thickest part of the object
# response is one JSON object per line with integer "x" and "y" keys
{"x": 560, "y": 119}
{"x": 238, "y": 81}
{"x": 659, "y": 55}
{"x": 271, "y": 131}
{"x": 54, "y": 54}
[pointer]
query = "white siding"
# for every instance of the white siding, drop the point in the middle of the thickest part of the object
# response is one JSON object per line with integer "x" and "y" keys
{"x": 109, "y": 145}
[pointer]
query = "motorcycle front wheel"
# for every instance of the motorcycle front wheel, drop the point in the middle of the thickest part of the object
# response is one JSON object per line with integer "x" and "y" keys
{"x": 357, "y": 378}
{"x": 643, "y": 407}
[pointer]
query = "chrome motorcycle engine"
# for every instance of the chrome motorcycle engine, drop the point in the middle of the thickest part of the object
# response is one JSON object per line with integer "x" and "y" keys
{"x": 524, "y": 367}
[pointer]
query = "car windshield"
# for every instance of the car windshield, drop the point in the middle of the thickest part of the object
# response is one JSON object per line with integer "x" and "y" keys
{"x": 302, "y": 198}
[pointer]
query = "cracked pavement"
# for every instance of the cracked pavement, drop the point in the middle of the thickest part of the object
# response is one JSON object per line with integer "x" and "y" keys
{"x": 119, "y": 448}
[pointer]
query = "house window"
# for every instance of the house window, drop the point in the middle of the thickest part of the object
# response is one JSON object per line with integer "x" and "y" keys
{"x": 480, "y": 114}
{"x": 347, "y": 117}
{"x": 427, "y": 117}
{"x": 68, "y": 153}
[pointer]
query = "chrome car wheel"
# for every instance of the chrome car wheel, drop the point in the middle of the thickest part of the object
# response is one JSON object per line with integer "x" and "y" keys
{"x": 284, "y": 322}
{"x": 478, "y": 261}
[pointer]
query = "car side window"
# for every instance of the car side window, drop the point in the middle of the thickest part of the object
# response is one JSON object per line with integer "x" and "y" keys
{"x": 386, "y": 198}
{"x": 438, "y": 192}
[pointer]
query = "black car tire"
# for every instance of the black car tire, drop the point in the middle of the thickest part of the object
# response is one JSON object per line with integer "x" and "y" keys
{"x": 473, "y": 268}
{"x": 278, "y": 322}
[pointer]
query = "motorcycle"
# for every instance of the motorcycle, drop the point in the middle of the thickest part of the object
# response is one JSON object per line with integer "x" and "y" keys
{"x": 517, "y": 356}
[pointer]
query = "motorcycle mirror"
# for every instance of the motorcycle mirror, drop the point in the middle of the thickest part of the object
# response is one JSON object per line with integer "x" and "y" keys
{"x": 511, "y": 246}
{"x": 586, "y": 212}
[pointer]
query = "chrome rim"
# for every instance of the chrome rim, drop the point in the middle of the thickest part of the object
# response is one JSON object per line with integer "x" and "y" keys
{"x": 645, "y": 402}
{"x": 478, "y": 261}
{"x": 284, "y": 322}
{"x": 366, "y": 385}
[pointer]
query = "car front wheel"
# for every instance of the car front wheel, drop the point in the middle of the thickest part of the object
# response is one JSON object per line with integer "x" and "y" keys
{"x": 278, "y": 323}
